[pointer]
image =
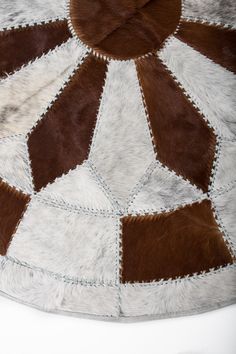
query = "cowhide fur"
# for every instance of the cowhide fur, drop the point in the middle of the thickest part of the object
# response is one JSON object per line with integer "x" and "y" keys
{"x": 17, "y": 13}
{"x": 210, "y": 87}
{"x": 15, "y": 170}
{"x": 27, "y": 94}
{"x": 217, "y": 11}
{"x": 70, "y": 251}
{"x": 63, "y": 247}
{"x": 119, "y": 140}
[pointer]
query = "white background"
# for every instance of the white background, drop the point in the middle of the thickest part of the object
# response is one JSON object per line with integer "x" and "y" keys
{"x": 24, "y": 330}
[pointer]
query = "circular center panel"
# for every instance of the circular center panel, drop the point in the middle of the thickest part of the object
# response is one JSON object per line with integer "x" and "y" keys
{"x": 124, "y": 29}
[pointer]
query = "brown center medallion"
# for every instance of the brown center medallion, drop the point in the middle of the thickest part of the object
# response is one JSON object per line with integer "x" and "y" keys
{"x": 124, "y": 29}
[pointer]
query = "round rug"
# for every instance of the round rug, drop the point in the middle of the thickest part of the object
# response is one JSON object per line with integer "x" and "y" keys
{"x": 117, "y": 156}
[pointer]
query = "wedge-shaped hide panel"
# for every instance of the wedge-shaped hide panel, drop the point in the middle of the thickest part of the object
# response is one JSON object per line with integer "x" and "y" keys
{"x": 184, "y": 141}
{"x": 19, "y": 46}
{"x": 79, "y": 188}
{"x": 210, "y": 87}
{"x": 65, "y": 133}
{"x": 12, "y": 207}
{"x": 26, "y": 95}
{"x": 217, "y": 43}
{"x": 172, "y": 245}
{"x": 122, "y": 148}
{"x": 163, "y": 190}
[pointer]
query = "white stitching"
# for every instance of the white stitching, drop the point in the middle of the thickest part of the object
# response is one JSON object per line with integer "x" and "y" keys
{"x": 178, "y": 280}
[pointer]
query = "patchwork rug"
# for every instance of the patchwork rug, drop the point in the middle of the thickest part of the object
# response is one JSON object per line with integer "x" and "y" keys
{"x": 118, "y": 156}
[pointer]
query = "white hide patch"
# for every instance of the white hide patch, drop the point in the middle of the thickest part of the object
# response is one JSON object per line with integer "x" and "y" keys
{"x": 14, "y": 163}
{"x": 67, "y": 243}
{"x": 78, "y": 188}
{"x": 181, "y": 297}
{"x": 216, "y": 11}
{"x": 15, "y": 13}
{"x": 226, "y": 165}
{"x": 37, "y": 288}
{"x": 122, "y": 148}
{"x": 164, "y": 190}
{"x": 211, "y": 87}
{"x": 25, "y": 95}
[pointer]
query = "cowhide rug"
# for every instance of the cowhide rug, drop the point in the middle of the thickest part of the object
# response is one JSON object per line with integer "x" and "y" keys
{"x": 118, "y": 156}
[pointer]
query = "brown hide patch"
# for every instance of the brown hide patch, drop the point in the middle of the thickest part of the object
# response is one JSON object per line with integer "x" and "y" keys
{"x": 12, "y": 208}
{"x": 219, "y": 44}
{"x": 172, "y": 245}
{"x": 21, "y": 45}
{"x": 61, "y": 140}
{"x": 124, "y": 29}
{"x": 183, "y": 140}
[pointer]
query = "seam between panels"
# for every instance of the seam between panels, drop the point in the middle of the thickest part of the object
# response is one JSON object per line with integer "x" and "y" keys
{"x": 74, "y": 68}
{"x": 222, "y": 190}
{"x": 53, "y": 275}
{"x": 107, "y": 57}
{"x": 172, "y": 207}
{"x": 119, "y": 263}
{"x": 142, "y": 109}
{"x": 140, "y": 184}
{"x": 101, "y": 183}
{"x": 189, "y": 45}
{"x": 12, "y": 75}
{"x": 175, "y": 31}
{"x": 179, "y": 280}
{"x": 19, "y": 221}
{"x": 145, "y": 108}
{"x": 99, "y": 113}
{"x": 76, "y": 208}
{"x": 76, "y": 281}
{"x": 71, "y": 28}
{"x": 33, "y": 23}
{"x": 27, "y": 170}
{"x": 168, "y": 209}
{"x": 98, "y": 109}
{"x": 190, "y": 96}
{"x": 203, "y": 20}
{"x": 215, "y": 165}
{"x": 223, "y": 230}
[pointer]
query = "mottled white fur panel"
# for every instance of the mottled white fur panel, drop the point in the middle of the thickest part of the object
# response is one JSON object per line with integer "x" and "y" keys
{"x": 25, "y": 95}
{"x": 98, "y": 300}
{"x": 226, "y": 165}
{"x": 68, "y": 243}
{"x": 30, "y": 286}
{"x": 211, "y": 87}
{"x": 14, "y": 13}
{"x": 221, "y": 11}
{"x": 164, "y": 190}
{"x": 225, "y": 207}
{"x": 78, "y": 188}
{"x": 176, "y": 298}
{"x": 122, "y": 147}
{"x": 38, "y": 289}
{"x": 14, "y": 163}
